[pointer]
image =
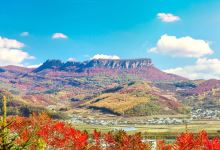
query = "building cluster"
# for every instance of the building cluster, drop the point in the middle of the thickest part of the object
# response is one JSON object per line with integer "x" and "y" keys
{"x": 167, "y": 121}
{"x": 93, "y": 121}
{"x": 202, "y": 113}
{"x": 155, "y": 121}
{"x": 196, "y": 114}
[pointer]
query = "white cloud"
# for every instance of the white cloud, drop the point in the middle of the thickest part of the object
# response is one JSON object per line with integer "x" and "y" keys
{"x": 34, "y": 66}
{"x": 13, "y": 56}
{"x": 59, "y": 36}
{"x": 102, "y": 56}
{"x": 168, "y": 17}
{"x": 11, "y": 53}
{"x": 203, "y": 69}
{"x": 24, "y": 34}
{"x": 10, "y": 43}
{"x": 71, "y": 59}
{"x": 182, "y": 47}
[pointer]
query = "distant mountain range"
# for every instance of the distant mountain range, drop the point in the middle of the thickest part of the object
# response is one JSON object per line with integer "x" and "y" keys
{"x": 81, "y": 85}
{"x": 142, "y": 68}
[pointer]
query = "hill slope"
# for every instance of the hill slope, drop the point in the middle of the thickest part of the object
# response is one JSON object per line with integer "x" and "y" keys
{"x": 139, "y": 98}
{"x": 56, "y": 83}
{"x": 106, "y": 85}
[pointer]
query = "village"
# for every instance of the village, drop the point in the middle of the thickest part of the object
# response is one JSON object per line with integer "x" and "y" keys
{"x": 202, "y": 113}
{"x": 195, "y": 114}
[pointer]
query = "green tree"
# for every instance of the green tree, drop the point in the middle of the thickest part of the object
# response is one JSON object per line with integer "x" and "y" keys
{"x": 8, "y": 139}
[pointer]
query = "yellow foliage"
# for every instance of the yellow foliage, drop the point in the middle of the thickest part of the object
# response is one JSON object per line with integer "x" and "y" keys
{"x": 118, "y": 102}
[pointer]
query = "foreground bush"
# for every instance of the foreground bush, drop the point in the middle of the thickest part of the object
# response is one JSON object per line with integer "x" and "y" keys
{"x": 187, "y": 141}
{"x": 118, "y": 141}
{"x": 40, "y": 132}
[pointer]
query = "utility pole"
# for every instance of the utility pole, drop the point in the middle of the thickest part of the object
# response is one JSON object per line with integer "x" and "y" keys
{"x": 4, "y": 124}
{"x": 186, "y": 127}
{"x": 4, "y": 111}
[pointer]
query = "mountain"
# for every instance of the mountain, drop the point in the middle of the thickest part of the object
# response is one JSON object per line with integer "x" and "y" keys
{"x": 17, "y": 69}
{"x": 135, "y": 99}
{"x": 142, "y": 68}
{"x": 194, "y": 93}
{"x": 95, "y": 63}
{"x": 123, "y": 87}
{"x": 18, "y": 106}
{"x": 49, "y": 64}
{"x": 2, "y": 70}
{"x": 205, "y": 86}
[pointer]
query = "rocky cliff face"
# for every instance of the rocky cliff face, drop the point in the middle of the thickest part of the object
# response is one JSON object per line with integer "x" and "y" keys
{"x": 2, "y": 70}
{"x": 95, "y": 63}
{"x": 142, "y": 68}
{"x": 120, "y": 64}
{"x": 49, "y": 64}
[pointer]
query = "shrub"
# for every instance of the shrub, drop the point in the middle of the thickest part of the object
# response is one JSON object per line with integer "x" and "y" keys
{"x": 41, "y": 132}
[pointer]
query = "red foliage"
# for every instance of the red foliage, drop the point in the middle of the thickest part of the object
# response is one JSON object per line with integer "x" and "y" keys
{"x": 162, "y": 146}
{"x": 108, "y": 137}
{"x": 55, "y": 134}
{"x": 205, "y": 86}
{"x": 187, "y": 141}
{"x": 59, "y": 135}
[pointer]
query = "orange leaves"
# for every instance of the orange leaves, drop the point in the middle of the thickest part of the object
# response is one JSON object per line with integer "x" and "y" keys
{"x": 204, "y": 142}
{"x": 108, "y": 137}
{"x": 187, "y": 141}
{"x": 162, "y": 146}
{"x": 44, "y": 132}
{"x": 96, "y": 137}
{"x": 59, "y": 135}
{"x": 54, "y": 133}
{"x": 118, "y": 141}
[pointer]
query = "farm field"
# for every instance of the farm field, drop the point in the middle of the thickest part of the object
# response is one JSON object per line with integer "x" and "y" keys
{"x": 158, "y": 131}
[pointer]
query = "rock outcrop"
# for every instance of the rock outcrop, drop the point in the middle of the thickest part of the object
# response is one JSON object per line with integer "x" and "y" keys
{"x": 100, "y": 63}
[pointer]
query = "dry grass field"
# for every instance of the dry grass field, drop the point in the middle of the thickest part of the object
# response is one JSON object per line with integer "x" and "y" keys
{"x": 156, "y": 131}
{"x": 118, "y": 102}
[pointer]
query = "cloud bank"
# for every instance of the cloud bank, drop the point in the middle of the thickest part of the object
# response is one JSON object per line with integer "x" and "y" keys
{"x": 34, "y": 66}
{"x": 11, "y": 53}
{"x": 182, "y": 47}
{"x": 102, "y": 56}
{"x": 10, "y": 43}
{"x": 203, "y": 69}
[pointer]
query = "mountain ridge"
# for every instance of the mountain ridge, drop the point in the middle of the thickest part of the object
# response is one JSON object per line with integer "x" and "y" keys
{"x": 105, "y": 63}
{"x": 141, "y": 67}
{"x": 69, "y": 84}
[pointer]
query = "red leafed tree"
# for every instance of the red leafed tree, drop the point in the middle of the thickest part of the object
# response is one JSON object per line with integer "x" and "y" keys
{"x": 187, "y": 141}
{"x": 59, "y": 135}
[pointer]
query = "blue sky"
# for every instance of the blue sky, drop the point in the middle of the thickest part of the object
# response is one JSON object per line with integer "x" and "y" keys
{"x": 125, "y": 28}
